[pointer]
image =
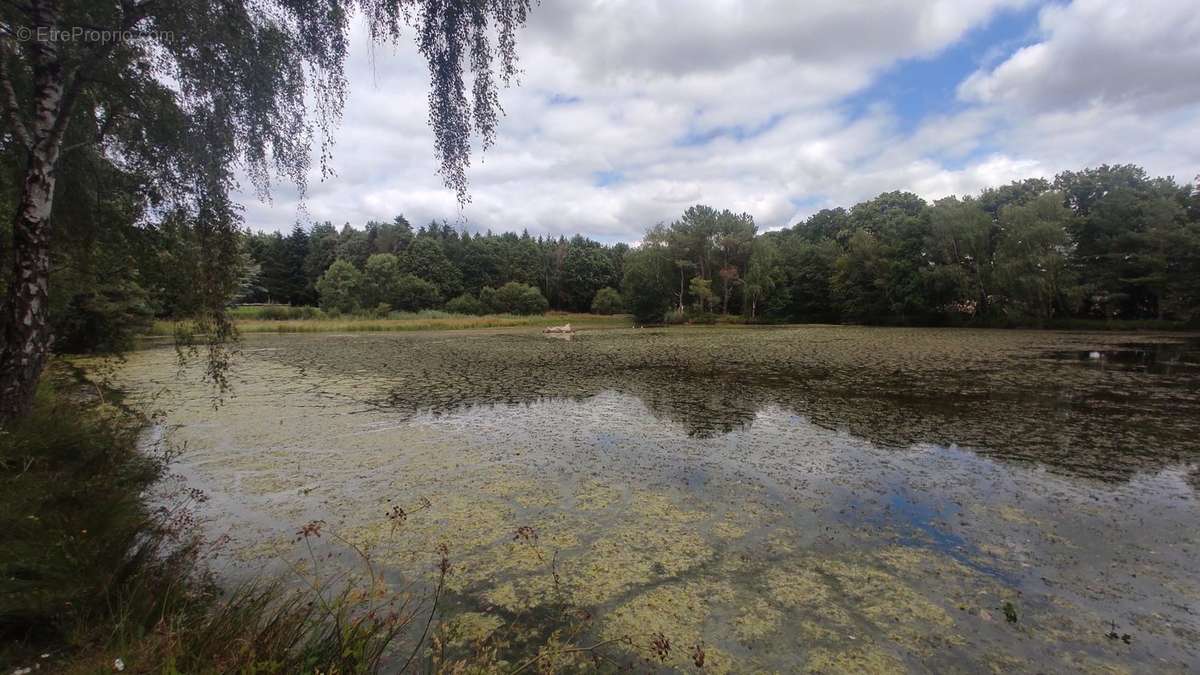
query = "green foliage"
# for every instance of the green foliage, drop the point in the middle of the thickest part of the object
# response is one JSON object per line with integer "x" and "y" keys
{"x": 413, "y": 294}
{"x": 466, "y": 304}
{"x": 567, "y": 272}
{"x": 322, "y": 251}
{"x": 860, "y": 279}
{"x": 764, "y": 274}
{"x": 700, "y": 290}
{"x": 648, "y": 283}
{"x": 427, "y": 260}
{"x": 607, "y": 301}
{"x": 514, "y": 298}
{"x": 340, "y": 288}
{"x": 1108, "y": 243}
{"x": 961, "y": 245}
{"x": 71, "y": 512}
{"x": 709, "y": 249}
{"x": 586, "y": 269}
{"x": 1032, "y": 261}
{"x": 353, "y": 246}
{"x": 380, "y": 280}
{"x": 103, "y": 319}
{"x": 487, "y": 298}
{"x": 809, "y": 295}
{"x": 1130, "y": 250}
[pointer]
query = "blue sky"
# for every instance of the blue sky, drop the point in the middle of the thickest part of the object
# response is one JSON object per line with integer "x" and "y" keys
{"x": 915, "y": 87}
{"x": 628, "y": 111}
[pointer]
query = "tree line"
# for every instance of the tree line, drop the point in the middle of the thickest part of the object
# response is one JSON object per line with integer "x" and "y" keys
{"x": 1102, "y": 243}
{"x": 390, "y": 263}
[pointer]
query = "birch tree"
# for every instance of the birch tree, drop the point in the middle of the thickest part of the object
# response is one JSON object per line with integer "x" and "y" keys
{"x": 188, "y": 91}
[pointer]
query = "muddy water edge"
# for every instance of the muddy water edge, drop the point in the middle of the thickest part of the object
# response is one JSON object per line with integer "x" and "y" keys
{"x": 815, "y": 499}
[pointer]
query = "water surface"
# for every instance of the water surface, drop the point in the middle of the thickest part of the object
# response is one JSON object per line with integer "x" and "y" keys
{"x": 827, "y": 499}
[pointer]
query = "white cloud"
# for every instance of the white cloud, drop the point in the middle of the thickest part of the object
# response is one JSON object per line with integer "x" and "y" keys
{"x": 1143, "y": 54}
{"x": 596, "y": 138}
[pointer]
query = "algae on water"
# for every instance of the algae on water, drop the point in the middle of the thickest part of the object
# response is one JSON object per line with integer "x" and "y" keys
{"x": 814, "y": 499}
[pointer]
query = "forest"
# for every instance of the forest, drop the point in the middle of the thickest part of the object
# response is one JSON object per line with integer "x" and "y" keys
{"x": 1108, "y": 243}
{"x": 1103, "y": 243}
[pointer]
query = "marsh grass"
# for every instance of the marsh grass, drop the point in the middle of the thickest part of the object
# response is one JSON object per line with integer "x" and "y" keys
{"x": 407, "y": 321}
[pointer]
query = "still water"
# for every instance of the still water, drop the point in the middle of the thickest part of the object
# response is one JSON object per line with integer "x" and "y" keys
{"x": 821, "y": 499}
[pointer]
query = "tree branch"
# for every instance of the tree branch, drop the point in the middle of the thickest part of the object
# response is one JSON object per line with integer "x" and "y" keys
{"x": 109, "y": 118}
{"x": 133, "y": 14}
{"x": 12, "y": 111}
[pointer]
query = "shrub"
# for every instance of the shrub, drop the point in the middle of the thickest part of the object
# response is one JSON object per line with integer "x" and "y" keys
{"x": 675, "y": 316}
{"x": 413, "y": 293}
{"x": 104, "y": 319}
{"x": 465, "y": 304}
{"x": 487, "y": 298}
{"x": 607, "y": 301}
{"x": 273, "y": 313}
{"x": 515, "y": 298}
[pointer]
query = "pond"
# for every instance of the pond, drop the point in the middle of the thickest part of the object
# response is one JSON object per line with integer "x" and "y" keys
{"x": 817, "y": 498}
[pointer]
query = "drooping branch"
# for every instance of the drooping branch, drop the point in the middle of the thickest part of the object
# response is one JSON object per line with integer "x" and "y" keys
{"x": 102, "y": 131}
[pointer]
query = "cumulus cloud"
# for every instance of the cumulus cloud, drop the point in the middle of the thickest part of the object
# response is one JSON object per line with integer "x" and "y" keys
{"x": 1142, "y": 54}
{"x": 628, "y": 111}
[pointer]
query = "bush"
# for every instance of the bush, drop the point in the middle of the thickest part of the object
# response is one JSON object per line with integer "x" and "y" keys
{"x": 273, "y": 313}
{"x": 72, "y": 467}
{"x": 487, "y": 298}
{"x": 674, "y": 317}
{"x": 514, "y": 298}
{"x": 103, "y": 320}
{"x": 413, "y": 293}
{"x": 520, "y": 298}
{"x": 608, "y": 301}
{"x": 466, "y": 304}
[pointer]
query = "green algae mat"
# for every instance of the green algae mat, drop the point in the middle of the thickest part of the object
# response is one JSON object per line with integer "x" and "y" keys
{"x": 786, "y": 499}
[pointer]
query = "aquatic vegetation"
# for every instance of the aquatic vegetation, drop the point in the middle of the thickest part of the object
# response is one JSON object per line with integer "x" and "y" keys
{"x": 986, "y": 389}
{"x": 828, "y": 499}
{"x": 855, "y": 660}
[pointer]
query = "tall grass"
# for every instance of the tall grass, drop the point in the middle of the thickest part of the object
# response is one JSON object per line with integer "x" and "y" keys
{"x": 409, "y": 321}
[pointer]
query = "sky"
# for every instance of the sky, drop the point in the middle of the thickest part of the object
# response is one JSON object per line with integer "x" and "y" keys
{"x": 629, "y": 111}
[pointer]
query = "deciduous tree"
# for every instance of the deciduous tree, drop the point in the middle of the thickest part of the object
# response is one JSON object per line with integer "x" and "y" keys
{"x": 204, "y": 87}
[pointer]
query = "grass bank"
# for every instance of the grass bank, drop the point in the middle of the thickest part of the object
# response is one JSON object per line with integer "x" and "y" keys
{"x": 407, "y": 321}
